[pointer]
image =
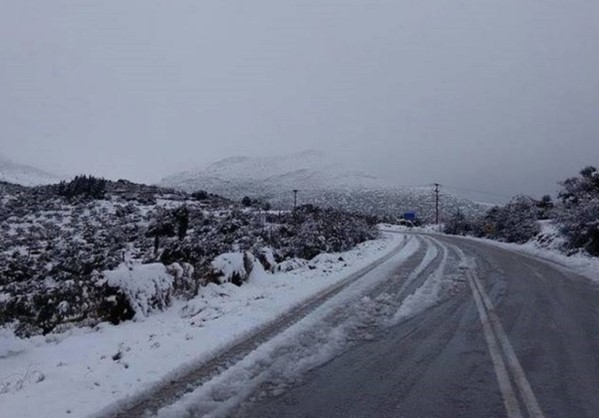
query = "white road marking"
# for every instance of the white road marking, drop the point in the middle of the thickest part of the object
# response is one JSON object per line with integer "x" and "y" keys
{"x": 488, "y": 311}
{"x": 528, "y": 396}
{"x": 507, "y": 391}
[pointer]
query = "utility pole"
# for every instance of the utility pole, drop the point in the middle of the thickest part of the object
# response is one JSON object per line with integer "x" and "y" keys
{"x": 437, "y": 203}
{"x": 295, "y": 199}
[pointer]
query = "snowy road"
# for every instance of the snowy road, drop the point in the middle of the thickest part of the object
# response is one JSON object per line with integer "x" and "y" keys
{"x": 459, "y": 328}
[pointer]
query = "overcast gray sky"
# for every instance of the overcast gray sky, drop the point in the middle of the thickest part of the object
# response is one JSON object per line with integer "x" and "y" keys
{"x": 487, "y": 94}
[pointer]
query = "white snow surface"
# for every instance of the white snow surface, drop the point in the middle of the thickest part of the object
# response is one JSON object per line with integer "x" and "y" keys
{"x": 308, "y": 169}
{"x": 10, "y": 344}
{"x": 83, "y": 371}
{"x": 24, "y": 175}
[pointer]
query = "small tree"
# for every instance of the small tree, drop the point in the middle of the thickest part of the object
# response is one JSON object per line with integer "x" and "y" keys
{"x": 246, "y": 201}
{"x": 545, "y": 206}
{"x": 158, "y": 229}
{"x": 182, "y": 218}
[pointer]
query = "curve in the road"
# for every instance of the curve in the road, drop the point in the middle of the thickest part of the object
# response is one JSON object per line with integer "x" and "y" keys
{"x": 439, "y": 363}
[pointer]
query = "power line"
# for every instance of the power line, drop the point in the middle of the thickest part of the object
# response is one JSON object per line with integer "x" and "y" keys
{"x": 465, "y": 189}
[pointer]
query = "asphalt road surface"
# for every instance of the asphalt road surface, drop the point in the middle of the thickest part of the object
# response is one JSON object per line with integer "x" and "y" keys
{"x": 512, "y": 336}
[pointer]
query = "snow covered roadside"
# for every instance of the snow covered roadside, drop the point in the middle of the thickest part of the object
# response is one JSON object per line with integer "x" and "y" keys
{"x": 584, "y": 265}
{"x": 400, "y": 228}
{"x": 545, "y": 246}
{"x": 83, "y": 371}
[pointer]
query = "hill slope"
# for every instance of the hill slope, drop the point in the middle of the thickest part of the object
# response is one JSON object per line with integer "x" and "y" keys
{"x": 320, "y": 180}
{"x": 93, "y": 250}
{"x": 24, "y": 175}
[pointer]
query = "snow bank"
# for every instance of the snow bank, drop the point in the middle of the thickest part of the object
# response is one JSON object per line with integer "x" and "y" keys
{"x": 550, "y": 237}
{"x": 291, "y": 264}
{"x": 10, "y": 344}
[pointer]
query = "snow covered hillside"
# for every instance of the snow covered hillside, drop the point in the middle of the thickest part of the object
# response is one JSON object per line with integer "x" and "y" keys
{"x": 92, "y": 250}
{"x": 321, "y": 180}
{"x": 25, "y": 175}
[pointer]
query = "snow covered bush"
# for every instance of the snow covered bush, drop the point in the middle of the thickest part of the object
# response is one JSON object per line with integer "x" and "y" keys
{"x": 266, "y": 257}
{"x": 184, "y": 278}
{"x": 147, "y": 287}
{"x": 517, "y": 221}
{"x": 459, "y": 224}
{"x": 579, "y": 213}
{"x": 232, "y": 268}
{"x": 514, "y": 222}
{"x": 310, "y": 230}
{"x": 550, "y": 237}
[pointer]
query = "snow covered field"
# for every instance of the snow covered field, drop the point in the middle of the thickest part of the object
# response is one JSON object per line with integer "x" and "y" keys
{"x": 83, "y": 371}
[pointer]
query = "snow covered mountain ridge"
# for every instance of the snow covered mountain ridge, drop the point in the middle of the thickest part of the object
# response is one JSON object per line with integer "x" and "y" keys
{"x": 24, "y": 175}
{"x": 320, "y": 180}
{"x": 305, "y": 170}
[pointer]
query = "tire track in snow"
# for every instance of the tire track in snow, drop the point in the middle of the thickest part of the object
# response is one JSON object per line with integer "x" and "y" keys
{"x": 434, "y": 288}
{"x": 432, "y": 252}
{"x": 417, "y": 267}
{"x": 275, "y": 367}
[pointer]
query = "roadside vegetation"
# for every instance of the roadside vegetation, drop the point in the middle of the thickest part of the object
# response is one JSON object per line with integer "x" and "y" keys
{"x": 575, "y": 216}
{"x": 91, "y": 250}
